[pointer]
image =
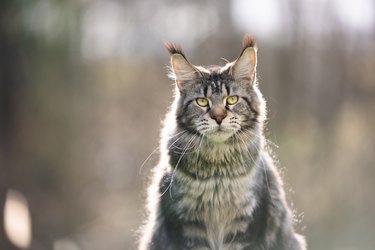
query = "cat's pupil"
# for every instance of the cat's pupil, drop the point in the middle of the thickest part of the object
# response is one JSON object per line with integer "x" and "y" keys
{"x": 232, "y": 99}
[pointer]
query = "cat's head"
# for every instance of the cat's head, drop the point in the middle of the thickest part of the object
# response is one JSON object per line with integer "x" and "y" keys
{"x": 218, "y": 101}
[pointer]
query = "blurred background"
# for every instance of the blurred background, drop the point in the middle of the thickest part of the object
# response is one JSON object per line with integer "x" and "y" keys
{"x": 83, "y": 90}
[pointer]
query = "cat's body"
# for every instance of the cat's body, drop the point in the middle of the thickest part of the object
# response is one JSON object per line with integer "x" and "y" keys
{"x": 216, "y": 187}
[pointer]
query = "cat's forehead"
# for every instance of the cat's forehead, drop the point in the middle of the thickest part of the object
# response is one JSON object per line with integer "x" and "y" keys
{"x": 215, "y": 81}
{"x": 213, "y": 84}
{"x": 213, "y": 74}
{"x": 214, "y": 70}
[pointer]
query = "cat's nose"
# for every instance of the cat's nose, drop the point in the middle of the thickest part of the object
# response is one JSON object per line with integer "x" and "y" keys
{"x": 218, "y": 114}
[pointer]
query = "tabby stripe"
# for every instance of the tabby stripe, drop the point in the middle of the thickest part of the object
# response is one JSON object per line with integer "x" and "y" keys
{"x": 228, "y": 89}
{"x": 205, "y": 89}
{"x": 195, "y": 223}
{"x": 184, "y": 110}
{"x": 256, "y": 113}
{"x": 196, "y": 242}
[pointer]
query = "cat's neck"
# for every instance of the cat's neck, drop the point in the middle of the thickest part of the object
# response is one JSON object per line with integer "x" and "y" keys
{"x": 205, "y": 159}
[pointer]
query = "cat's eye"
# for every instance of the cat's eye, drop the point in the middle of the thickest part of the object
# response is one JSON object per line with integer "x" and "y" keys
{"x": 203, "y": 102}
{"x": 233, "y": 99}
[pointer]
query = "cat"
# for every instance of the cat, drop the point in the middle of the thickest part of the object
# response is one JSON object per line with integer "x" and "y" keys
{"x": 216, "y": 187}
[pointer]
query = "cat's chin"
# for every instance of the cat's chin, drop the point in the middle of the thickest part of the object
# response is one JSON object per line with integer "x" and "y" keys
{"x": 219, "y": 136}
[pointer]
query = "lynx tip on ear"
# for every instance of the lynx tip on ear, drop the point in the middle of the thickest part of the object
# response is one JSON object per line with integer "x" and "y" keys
{"x": 248, "y": 41}
{"x": 174, "y": 48}
{"x": 245, "y": 66}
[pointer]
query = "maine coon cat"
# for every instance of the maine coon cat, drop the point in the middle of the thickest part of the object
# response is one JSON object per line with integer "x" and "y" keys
{"x": 216, "y": 186}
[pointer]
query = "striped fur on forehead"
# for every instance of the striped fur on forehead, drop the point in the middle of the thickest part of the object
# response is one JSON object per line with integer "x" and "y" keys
{"x": 217, "y": 83}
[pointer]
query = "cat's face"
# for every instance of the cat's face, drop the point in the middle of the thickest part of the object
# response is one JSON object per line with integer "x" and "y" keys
{"x": 217, "y": 111}
{"x": 217, "y": 102}
{"x": 217, "y": 106}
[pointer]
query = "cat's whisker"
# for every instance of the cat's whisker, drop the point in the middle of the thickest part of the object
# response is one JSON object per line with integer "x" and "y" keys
{"x": 247, "y": 149}
{"x": 178, "y": 162}
{"x": 268, "y": 140}
{"x": 252, "y": 143}
{"x": 179, "y": 138}
{"x": 156, "y": 149}
{"x": 177, "y": 134}
{"x": 262, "y": 163}
{"x": 174, "y": 170}
{"x": 250, "y": 139}
{"x": 148, "y": 157}
{"x": 187, "y": 150}
{"x": 180, "y": 134}
{"x": 173, "y": 145}
{"x": 261, "y": 159}
{"x": 238, "y": 142}
{"x": 196, "y": 161}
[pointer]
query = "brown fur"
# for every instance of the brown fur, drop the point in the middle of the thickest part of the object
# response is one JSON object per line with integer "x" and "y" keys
{"x": 174, "y": 48}
{"x": 248, "y": 41}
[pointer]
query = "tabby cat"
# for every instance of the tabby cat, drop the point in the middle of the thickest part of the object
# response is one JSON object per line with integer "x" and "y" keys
{"x": 216, "y": 186}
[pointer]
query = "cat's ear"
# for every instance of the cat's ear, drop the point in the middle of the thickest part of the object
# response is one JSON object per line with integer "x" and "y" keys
{"x": 183, "y": 72}
{"x": 245, "y": 65}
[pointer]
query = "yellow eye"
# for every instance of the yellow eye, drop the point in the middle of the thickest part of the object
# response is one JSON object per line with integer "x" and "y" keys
{"x": 203, "y": 102}
{"x": 233, "y": 99}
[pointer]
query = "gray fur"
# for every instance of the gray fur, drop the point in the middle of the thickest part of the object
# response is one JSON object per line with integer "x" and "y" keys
{"x": 216, "y": 187}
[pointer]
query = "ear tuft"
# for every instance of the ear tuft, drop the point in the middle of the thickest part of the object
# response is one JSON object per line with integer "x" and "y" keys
{"x": 182, "y": 70}
{"x": 248, "y": 41}
{"x": 174, "y": 48}
{"x": 245, "y": 66}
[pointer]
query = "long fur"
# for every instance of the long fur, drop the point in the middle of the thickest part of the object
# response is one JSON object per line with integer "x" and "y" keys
{"x": 248, "y": 41}
{"x": 216, "y": 187}
{"x": 174, "y": 48}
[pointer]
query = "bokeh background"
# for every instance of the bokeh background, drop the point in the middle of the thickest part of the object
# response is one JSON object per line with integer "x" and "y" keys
{"x": 83, "y": 90}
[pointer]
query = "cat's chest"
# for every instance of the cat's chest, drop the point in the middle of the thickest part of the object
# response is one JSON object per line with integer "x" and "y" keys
{"x": 219, "y": 203}
{"x": 216, "y": 199}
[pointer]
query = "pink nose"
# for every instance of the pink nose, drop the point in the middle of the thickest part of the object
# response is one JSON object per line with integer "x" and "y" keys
{"x": 218, "y": 114}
